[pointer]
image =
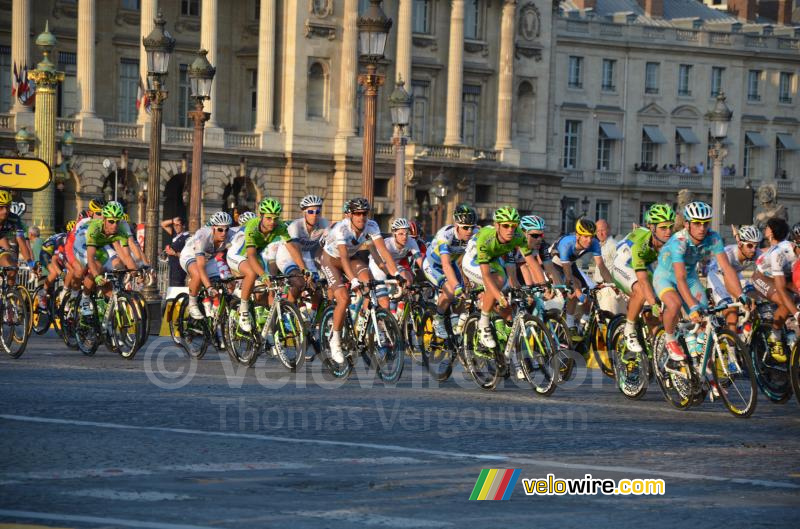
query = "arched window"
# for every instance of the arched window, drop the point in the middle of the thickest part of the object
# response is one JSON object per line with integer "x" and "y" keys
{"x": 526, "y": 109}
{"x": 315, "y": 92}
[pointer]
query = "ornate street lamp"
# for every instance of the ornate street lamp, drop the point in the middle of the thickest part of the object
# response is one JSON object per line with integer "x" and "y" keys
{"x": 720, "y": 118}
{"x": 400, "y": 105}
{"x": 25, "y": 141}
{"x": 158, "y": 45}
{"x": 438, "y": 194}
{"x": 201, "y": 76}
{"x": 585, "y": 205}
{"x": 373, "y": 30}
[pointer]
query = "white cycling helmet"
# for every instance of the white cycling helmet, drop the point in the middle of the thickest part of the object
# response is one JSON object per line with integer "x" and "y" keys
{"x": 310, "y": 200}
{"x": 697, "y": 211}
{"x": 750, "y": 234}
{"x": 246, "y": 216}
{"x": 220, "y": 218}
{"x": 400, "y": 223}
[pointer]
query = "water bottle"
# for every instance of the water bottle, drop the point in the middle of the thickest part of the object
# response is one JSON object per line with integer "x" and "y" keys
{"x": 222, "y": 266}
{"x": 691, "y": 343}
{"x": 362, "y": 325}
{"x": 462, "y": 321}
{"x": 583, "y": 324}
{"x": 701, "y": 342}
{"x": 791, "y": 338}
{"x": 207, "y": 306}
{"x": 401, "y": 305}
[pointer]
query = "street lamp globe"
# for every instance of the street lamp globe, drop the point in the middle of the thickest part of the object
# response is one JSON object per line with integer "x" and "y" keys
{"x": 201, "y": 75}
{"x": 25, "y": 141}
{"x": 720, "y": 118}
{"x": 400, "y": 105}
{"x": 440, "y": 186}
{"x": 67, "y": 144}
{"x": 158, "y": 45}
{"x": 373, "y": 29}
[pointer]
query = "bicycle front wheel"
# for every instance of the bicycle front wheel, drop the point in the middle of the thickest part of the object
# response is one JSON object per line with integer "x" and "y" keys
{"x": 677, "y": 389}
{"x": 68, "y": 318}
{"x": 335, "y": 369}
{"x": 193, "y": 333}
{"x": 87, "y": 329}
{"x": 41, "y": 311}
{"x": 771, "y": 376}
{"x": 289, "y": 336}
{"x": 731, "y": 371}
{"x": 632, "y": 375}
{"x": 386, "y": 345}
{"x": 537, "y": 355}
{"x": 13, "y": 324}
{"x": 479, "y": 361}
{"x": 126, "y": 326}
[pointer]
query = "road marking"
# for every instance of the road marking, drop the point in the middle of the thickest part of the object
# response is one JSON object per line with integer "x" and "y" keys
{"x": 365, "y": 519}
{"x": 128, "y": 495}
{"x": 493, "y": 458}
{"x": 397, "y": 460}
{"x": 96, "y": 520}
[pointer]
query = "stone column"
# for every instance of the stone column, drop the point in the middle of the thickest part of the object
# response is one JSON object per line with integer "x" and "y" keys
{"x": 266, "y": 66}
{"x": 148, "y": 11}
{"x": 349, "y": 71}
{"x": 21, "y": 50}
{"x": 208, "y": 41}
{"x": 404, "y": 22}
{"x": 455, "y": 74}
{"x": 505, "y": 79}
{"x": 90, "y": 126}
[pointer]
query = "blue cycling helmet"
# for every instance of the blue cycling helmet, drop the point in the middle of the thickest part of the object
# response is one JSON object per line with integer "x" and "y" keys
{"x": 532, "y": 222}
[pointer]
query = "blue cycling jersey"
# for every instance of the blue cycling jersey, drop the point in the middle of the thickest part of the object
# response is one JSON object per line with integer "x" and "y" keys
{"x": 564, "y": 249}
{"x": 681, "y": 249}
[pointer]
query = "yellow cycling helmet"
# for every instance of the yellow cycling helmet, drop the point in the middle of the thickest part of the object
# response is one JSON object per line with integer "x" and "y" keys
{"x": 126, "y": 217}
{"x": 5, "y": 198}
{"x": 585, "y": 227}
{"x": 96, "y": 205}
{"x": 70, "y": 226}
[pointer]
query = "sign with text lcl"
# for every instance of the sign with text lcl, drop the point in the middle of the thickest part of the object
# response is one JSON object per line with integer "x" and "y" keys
{"x": 29, "y": 174}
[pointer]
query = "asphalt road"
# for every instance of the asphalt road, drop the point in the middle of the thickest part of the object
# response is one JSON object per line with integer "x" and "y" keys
{"x": 164, "y": 443}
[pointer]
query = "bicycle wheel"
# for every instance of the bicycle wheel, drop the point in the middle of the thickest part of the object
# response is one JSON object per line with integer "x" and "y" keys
{"x": 386, "y": 346}
{"x": 41, "y": 314}
{"x": 68, "y": 316}
{"x": 600, "y": 350}
{"x": 437, "y": 354}
{"x": 794, "y": 371}
{"x": 173, "y": 316}
{"x": 13, "y": 324}
{"x": 289, "y": 336}
{"x": 480, "y": 362}
{"x": 26, "y": 297}
{"x": 412, "y": 326}
{"x": 126, "y": 324}
{"x": 194, "y": 335}
{"x": 242, "y": 346}
{"x": 677, "y": 389}
{"x": 53, "y": 306}
{"x": 537, "y": 355}
{"x": 87, "y": 330}
{"x": 631, "y": 376}
{"x": 335, "y": 369}
{"x": 772, "y": 377}
{"x": 735, "y": 381}
{"x": 144, "y": 328}
{"x": 559, "y": 332}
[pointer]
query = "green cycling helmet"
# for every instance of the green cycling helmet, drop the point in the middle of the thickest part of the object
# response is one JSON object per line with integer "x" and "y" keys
{"x": 270, "y": 206}
{"x": 659, "y": 213}
{"x": 506, "y": 214}
{"x": 113, "y": 210}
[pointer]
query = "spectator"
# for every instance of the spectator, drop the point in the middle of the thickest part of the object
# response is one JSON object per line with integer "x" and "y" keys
{"x": 701, "y": 168}
{"x": 607, "y": 298}
{"x": 35, "y": 242}
{"x": 176, "y": 229}
{"x": 733, "y": 170}
{"x": 784, "y": 176}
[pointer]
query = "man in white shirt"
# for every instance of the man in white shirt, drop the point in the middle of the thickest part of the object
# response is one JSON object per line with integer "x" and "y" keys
{"x": 607, "y": 298}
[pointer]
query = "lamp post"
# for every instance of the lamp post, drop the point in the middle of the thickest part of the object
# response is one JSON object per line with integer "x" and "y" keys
{"x": 47, "y": 79}
{"x": 110, "y": 165}
{"x": 63, "y": 159}
{"x": 25, "y": 141}
{"x": 438, "y": 194}
{"x": 158, "y": 45}
{"x": 720, "y": 118}
{"x": 201, "y": 75}
{"x": 585, "y": 205}
{"x": 400, "y": 105}
{"x": 373, "y": 29}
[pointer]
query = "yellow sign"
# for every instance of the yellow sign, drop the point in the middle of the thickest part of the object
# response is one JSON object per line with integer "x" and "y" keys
{"x": 30, "y": 174}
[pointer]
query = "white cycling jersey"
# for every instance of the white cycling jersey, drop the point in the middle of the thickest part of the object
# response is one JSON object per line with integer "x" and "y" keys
{"x": 777, "y": 260}
{"x": 343, "y": 233}
{"x": 308, "y": 242}
{"x": 202, "y": 243}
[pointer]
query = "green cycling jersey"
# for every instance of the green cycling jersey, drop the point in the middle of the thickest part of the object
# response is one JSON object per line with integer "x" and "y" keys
{"x": 95, "y": 236}
{"x": 489, "y": 246}
{"x": 255, "y": 238}
{"x": 642, "y": 251}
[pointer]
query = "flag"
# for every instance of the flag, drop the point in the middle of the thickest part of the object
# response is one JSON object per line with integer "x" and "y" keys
{"x": 141, "y": 97}
{"x": 21, "y": 87}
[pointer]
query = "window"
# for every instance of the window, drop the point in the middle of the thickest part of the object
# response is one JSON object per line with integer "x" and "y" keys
{"x": 128, "y": 90}
{"x": 315, "y": 92}
{"x": 525, "y": 109}
{"x": 5, "y": 79}
{"x": 484, "y": 194}
{"x": 381, "y": 187}
{"x": 362, "y": 6}
{"x": 785, "y": 87}
{"x": 651, "y": 78}
{"x": 649, "y": 151}
{"x": 575, "y": 72}
{"x": 421, "y": 16}
{"x": 252, "y": 86}
{"x": 569, "y": 208}
{"x": 572, "y": 138}
{"x": 716, "y": 80}
{"x": 190, "y": 7}
{"x": 602, "y": 209}
{"x": 420, "y": 101}
{"x": 681, "y": 150}
{"x": 470, "y": 117}
{"x": 780, "y": 158}
{"x": 753, "y": 78}
{"x": 683, "y": 80}
{"x": 68, "y": 99}
{"x": 472, "y": 19}
{"x": 750, "y": 157}
{"x": 133, "y": 5}
{"x": 643, "y": 207}
{"x": 609, "y": 66}
{"x": 604, "y": 150}
{"x": 184, "y": 95}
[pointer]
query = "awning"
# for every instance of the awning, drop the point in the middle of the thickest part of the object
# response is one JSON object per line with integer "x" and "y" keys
{"x": 611, "y": 131}
{"x": 756, "y": 139}
{"x": 654, "y": 134}
{"x": 687, "y": 135}
{"x": 788, "y": 142}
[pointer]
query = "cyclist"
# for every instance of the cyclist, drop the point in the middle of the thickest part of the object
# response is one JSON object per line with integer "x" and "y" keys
{"x": 741, "y": 256}
{"x": 533, "y": 226}
{"x": 402, "y": 247}
{"x": 52, "y": 256}
{"x": 770, "y": 280}
{"x": 247, "y": 256}
{"x": 440, "y": 265}
{"x": 565, "y": 253}
{"x": 91, "y": 250}
{"x": 133, "y": 245}
{"x": 198, "y": 257}
{"x": 637, "y": 255}
{"x": 308, "y": 232}
{"x": 341, "y": 259}
{"x": 12, "y": 234}
{"x": 244, "y": 218}
{"x": 676, "y": 280}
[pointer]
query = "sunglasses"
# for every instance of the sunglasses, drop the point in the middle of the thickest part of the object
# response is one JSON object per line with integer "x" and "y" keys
{"x": 269, "y": 217}
{"x": 466, "y": 227}
{"x": 360, "y": 213}
{"x": 703, "y": 222}
{"x": 509, "y": 225}
{"x": 221, "y": 229}
{"x": 749, "y": 245}
{"x": 112, "y": 221}
{"x": 535, "y": 235}
{"x": 313, "y": 211}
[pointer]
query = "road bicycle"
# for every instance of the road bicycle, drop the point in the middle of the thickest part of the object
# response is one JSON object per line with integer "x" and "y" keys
{"x": 194, "y": 335}
{"x": 14, "y": 316}
{"x": 632, "y": 376}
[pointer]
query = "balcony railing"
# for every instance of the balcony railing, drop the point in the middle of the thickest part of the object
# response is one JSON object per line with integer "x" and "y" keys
{"x": 672, "y": 179}
{"x": 383, "y": 148}
{"x": 241, "y": 140}
{"x": 180, "y": 135}
{"x": 785, "y": 186}
{"x": 593, "y": 177}
{"x": 7, "y": 121}
{"x": 123, "y": 131}
{"x": 65, "y": 124}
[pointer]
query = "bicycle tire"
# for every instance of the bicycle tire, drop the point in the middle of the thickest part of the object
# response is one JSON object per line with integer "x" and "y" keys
{"x": 41, "y": 316}
{"x": 173, "y": 315}
{"x": 242, "y": 347}
{"x": 68, "y": 316}
{"x": 87, "y": 331}
{"x": 481, "y": 364}
{"x": 412, "y": 331}
{"x": 603, "y": 361}
{"x": 773, "y": 382}
{"x": 438, "y": 355}
{"x": 726, "y": 377}
{"x": 194, "y": 335}
{"x": 53, "y": 304}
{"x": 127, "y": 317}
{"x": 144, "y": 328}
{"x": 13, "y": 324}
{"x": 794, "y": 371}
{"x": 561, "y": 339}
{"x": 389, "y": 353}
{"x": 26, "y": 296}
{"x": 632, "y": 385}
{"x": 291, "y": 334}
{"x": 537, "y": 355}
{"x": 678, "y": 396}
{"x": 334, "y": 369}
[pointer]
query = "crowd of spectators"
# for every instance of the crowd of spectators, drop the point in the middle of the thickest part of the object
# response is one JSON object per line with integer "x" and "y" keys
{"x": 681, "y": 168}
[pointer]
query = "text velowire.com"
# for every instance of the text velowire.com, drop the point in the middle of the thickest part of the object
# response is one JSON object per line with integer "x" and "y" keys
{"x": 589, "y": 486}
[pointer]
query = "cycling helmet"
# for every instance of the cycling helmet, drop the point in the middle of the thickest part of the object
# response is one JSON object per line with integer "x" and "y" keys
{"x": 70, "y": 226}
{"x": 357, "y": 204}
{"x": 400, "y": 224}
{"x": 18, "y": 208}
{"x": 220, "y": 218}
{"x": 245, "y": 217}
{"x": 659, "y": 213}
{"x": 506, "y": 214}
{"x": 697, "y": 212}
{"x": 126, "y": 217}
{"x": 96, "y": 205}
{"x": 532, "y": 222}
{"x": 795, "y": 232}
{"x": 749, "y": 233}
{"x": 585, "y": 227}
{"x": 270, "y": 206}
{"x": 310, "y": 200}
{"x": 5, "y": 198}
{"x": 414, "y": 229}
{"x": 113, "y": 210}
{"x": 464, "y": 214}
